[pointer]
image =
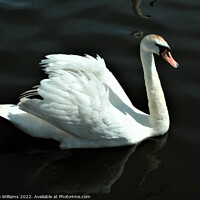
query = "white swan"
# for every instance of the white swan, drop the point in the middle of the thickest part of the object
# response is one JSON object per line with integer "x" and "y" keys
{"x": 84, "y": 106}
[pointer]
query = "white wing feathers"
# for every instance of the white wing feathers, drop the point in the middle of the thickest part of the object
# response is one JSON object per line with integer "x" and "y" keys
{"x": 74, "y": 98}
{"x": 88, "y": 63}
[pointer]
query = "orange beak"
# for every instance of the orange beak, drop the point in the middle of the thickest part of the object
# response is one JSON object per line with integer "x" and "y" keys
{"x": 168, "y": 57}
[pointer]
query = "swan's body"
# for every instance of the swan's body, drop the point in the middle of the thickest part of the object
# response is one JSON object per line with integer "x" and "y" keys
{"x": 84, "y": 106}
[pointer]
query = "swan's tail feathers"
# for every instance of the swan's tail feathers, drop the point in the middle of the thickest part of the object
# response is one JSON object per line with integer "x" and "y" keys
{"x": 7, "y": 109}
{"x": 30, "y": 124}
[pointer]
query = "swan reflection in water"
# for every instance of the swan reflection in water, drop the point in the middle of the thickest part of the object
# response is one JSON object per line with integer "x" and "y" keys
{"x": 137, "y": 10}
{"x": 86, "y": 171}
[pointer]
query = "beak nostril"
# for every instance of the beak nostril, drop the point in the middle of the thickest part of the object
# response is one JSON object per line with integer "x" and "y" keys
{"x": 168, "y": 54}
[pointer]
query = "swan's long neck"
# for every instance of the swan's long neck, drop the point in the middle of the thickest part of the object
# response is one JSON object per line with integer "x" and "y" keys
{"x": 157, "y": 106}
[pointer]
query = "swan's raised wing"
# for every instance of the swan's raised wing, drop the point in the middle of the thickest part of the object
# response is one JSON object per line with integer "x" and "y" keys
{"x": 87, "y": 64}
{"x": 78, "y": 103}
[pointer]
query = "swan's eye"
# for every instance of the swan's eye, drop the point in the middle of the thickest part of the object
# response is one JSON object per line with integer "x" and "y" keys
{"x": 162, "y": 48}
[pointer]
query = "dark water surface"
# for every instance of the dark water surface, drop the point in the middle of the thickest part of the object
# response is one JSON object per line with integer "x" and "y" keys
{"x": 161, "y": 169}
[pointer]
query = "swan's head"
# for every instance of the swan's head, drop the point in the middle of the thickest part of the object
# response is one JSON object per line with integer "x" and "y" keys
{"x": 156, "y": 44}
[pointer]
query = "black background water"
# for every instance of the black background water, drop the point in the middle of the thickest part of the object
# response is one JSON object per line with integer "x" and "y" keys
{"x": 163, "y": 168}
